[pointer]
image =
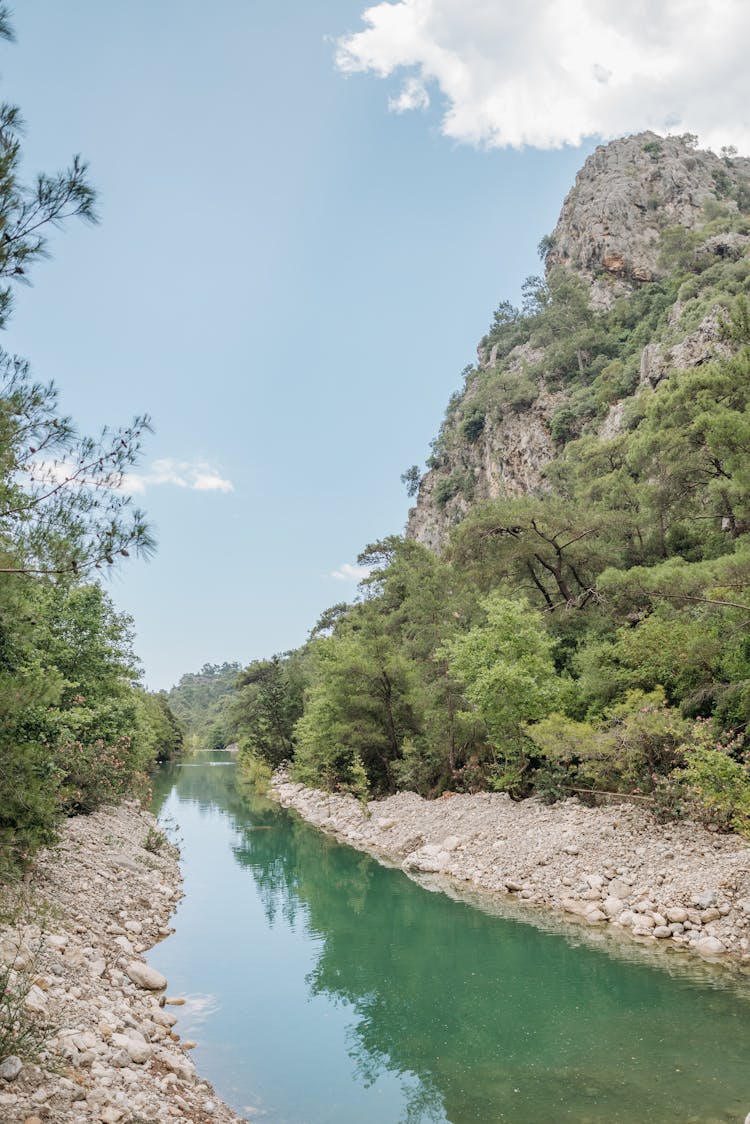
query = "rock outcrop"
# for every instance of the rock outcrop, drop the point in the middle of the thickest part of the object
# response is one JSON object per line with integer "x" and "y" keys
{"x": 610, "y": 235}
{"x": 625, "y": 195}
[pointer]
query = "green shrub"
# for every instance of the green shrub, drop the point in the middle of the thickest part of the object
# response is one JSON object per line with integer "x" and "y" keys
{"x": 29, "y": 809}
{"x": 255, "y": 769}
{"x": 473, "y": 424}
{"x": 447, "y": 488}
{"x": 94, "y": 774}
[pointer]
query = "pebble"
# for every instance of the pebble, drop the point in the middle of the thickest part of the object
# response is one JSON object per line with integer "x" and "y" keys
{"x": 10, "y": 1067}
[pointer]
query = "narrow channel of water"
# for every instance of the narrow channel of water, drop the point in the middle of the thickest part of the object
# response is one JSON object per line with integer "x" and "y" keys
{"x": 324, "y": 988}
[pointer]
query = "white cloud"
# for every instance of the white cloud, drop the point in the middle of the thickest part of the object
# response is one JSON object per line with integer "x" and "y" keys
{"x": 198, "y": 476}
{"x": 551, "y": 72}
{"x": 349, "y": 573}
{"x": 413, "y": 96}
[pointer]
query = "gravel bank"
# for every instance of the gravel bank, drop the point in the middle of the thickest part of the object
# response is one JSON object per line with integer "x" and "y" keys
{"x": 92, "y": 906}
{"x": 611, "y": 866}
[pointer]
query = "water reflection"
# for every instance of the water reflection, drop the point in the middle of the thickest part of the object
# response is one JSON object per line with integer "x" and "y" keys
{"x": 471, "y": 1017}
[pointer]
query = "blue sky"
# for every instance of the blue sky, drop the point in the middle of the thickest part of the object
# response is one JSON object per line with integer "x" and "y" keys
{"x": 288, "y": 276}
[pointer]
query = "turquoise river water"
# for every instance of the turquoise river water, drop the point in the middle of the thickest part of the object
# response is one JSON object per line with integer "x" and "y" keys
{"x": 324, "y": 988}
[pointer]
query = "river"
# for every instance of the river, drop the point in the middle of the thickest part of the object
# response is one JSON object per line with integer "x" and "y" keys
{"x": 324, "y": 988}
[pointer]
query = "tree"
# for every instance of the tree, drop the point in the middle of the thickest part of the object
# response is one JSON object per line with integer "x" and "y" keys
{"x": 411, "y": 479}
{"x": 509, "y": 675}
{"x": 267, "y": 705}
{"x": 68, "y": 733}
{"x": 62, "y": 507}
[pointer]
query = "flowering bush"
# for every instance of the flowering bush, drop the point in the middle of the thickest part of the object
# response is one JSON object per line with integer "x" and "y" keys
{"x": 94, "y": 774}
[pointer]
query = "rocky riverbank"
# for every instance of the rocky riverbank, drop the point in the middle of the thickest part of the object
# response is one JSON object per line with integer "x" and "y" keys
{"x": 677, "y": 884}
{"x": 73, "y": 940}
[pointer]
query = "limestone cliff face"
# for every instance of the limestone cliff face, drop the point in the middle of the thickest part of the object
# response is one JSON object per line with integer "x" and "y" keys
{"x": 624, "y": 196}
{"x": 629, "y": 196}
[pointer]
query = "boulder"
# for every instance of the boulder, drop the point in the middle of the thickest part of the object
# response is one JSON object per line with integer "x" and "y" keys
{"x": 709, "y": 946}
{"x": 143, "y": 975}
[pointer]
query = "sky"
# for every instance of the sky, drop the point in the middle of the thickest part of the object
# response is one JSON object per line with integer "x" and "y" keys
{"x": 308, "y": 214}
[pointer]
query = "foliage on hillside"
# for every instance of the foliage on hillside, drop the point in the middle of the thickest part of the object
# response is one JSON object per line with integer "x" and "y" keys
{"x": 76, "y": 729}
{"x": 200, "y": 701}
{"x": 591, "y": 636}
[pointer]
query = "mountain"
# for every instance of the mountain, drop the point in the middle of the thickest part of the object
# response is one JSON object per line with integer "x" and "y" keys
{"x": 612, "y": 315}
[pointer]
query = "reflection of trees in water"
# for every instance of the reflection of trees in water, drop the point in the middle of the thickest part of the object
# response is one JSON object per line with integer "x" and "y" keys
{"x": 477, "y": 1007}
{"x": 472, "y": 1006}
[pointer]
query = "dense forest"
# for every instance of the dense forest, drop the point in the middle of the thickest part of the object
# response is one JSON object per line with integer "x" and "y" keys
{"x": 76, "y": 726}
{"x": 199, "y": 702}
{"x": 592, "y": 634}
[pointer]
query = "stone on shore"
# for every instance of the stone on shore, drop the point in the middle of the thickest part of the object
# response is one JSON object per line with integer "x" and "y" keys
{"x": 10, "y": 1067}
{"x": 145, "y": 976}
{"x": 673, "y": 885}
{"x": 93, "y": 1001}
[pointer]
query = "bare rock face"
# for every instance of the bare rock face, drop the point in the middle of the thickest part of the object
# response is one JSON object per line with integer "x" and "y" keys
{"x": 610, "y": 234}
{"x": 624, "y": 196}
{"x": 507, "y": 461}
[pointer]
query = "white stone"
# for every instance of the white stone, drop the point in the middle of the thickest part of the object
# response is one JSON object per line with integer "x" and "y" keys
{"x": 677, "y": 914}
{"x": 178, "y": 1064}
{"x": 145, "y": 976}
{"x": 36, "y": 1001}
{"x": 110, "y": 1114}
{"x": 709, "y": 946}
{"x": 137, "y": 1049}
{"x": 163, "y": 1018}
{"x": 57, "y": 941}
{"x": 594, "y": 916}
{"x": 10, "y": 1067}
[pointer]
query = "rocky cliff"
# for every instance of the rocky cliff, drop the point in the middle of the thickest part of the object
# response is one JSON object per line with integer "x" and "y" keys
{"x": 651, "y": 241}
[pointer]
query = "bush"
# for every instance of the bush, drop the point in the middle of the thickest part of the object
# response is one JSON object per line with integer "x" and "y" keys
{"x": 97, "y": 774}
{"x": 450, "y": 486}
{"x": 473, "y": 424}
{"x": 254, "y": 769}
{"x": 29, "y": 809}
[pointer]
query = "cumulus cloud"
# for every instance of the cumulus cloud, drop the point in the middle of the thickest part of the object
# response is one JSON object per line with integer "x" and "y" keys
{"x": 198, "y": 476}
{"x": 551, "y": 72}
{"x": 350, "y": 573}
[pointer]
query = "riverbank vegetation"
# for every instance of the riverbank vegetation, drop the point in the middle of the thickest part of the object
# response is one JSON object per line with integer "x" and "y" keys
{"x": 590, "y": 637}
{"x": 76, "y": 727}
